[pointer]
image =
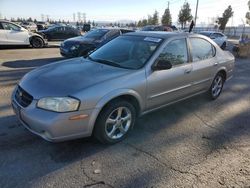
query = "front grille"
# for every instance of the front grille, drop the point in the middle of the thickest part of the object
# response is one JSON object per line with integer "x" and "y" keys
{"x": 23, "y": 98}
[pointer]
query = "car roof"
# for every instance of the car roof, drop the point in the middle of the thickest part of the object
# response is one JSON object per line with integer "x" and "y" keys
{"x": 159, "y": 34}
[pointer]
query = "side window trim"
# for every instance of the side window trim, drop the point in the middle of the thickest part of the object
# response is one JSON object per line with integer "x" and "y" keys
{"x": 189, "y": 49}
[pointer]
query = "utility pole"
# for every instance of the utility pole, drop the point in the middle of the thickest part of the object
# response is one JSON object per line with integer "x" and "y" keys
{"x": 195, "y": 18}
{"x": 168, "y": 5}
{"x": 42, "y": 17}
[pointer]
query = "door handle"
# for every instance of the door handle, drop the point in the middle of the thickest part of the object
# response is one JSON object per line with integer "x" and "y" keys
{"x": 216, "y": 63}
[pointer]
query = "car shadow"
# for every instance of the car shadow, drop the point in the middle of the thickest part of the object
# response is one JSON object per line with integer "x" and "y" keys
{"x": 33, "y": 63}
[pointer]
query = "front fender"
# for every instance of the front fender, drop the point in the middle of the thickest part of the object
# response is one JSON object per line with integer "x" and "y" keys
{"x": 107, "y": 98}
{"x": 119, "y": 92}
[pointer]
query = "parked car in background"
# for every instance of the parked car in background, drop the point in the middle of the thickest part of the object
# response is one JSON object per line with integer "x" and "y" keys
{"x": 42, "y": 25}
{"x": 60, "y": 32}
{"x": 131, "y": 75}
{"x": 30, "y": 26}
{"x": 13, "y": 34}
{"x": 159, "y": 28}
{"x": 218, "y": 37}
{"x": 82, "y": 45}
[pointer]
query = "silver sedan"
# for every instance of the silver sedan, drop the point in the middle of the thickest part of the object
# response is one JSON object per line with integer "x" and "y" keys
{"x": 131, "y": 75}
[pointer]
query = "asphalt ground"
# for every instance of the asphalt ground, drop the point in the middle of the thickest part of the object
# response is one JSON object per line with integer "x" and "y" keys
{"x": 194, "y": 143}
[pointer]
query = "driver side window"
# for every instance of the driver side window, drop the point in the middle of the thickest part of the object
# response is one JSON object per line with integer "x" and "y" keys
{"x": 175, "y": 52}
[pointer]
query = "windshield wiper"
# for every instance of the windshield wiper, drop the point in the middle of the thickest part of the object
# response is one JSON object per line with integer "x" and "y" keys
{"x": 107, "y": 62}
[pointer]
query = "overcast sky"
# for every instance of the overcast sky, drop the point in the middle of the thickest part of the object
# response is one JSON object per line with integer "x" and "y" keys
{"x": 113, "y": 10}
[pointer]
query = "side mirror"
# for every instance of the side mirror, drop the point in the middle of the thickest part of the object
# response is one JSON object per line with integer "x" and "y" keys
{"x": 162, "y": 65}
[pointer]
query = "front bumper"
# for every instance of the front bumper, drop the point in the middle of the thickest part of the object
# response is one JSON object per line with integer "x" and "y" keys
{"x": 53, "y": 126}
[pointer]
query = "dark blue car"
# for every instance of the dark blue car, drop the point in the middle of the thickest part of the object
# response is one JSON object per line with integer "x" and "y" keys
{"x": 82, "y": 45}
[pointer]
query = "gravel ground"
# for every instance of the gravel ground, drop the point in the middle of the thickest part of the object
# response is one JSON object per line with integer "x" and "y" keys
{"x": 194, "y": 143}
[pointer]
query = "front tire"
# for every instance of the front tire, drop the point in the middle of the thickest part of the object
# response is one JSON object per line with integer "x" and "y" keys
{"x": 114, "y": 122}
{"x": 217, "y": 86}
{"x": 37, "y": 42}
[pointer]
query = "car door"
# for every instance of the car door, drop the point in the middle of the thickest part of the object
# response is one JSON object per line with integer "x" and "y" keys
{"x": 15, "y": 34}
{"x": 166, "y": 86}
{"x": 203, "y": 63}
{"x": 69, "y": 32}
{"x": 58, "y": 33}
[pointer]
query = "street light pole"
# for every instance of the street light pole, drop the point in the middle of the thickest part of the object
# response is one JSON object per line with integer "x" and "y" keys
{"x": 195, "y": 18}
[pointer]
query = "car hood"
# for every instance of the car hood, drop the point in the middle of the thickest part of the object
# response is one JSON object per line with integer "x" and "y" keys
{"x": 67, "y": 77}
{"x": 79, "y": 40}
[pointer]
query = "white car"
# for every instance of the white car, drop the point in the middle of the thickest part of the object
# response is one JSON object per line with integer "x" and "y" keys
{"x": 13, "y": 34}
{"x": 218, "y": 37}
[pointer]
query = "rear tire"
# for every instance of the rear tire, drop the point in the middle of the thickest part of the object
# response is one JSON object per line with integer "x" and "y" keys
{"x": 114, "y": 122}
{"x": 217, "y": 86}
{"x": 37, "y": 42}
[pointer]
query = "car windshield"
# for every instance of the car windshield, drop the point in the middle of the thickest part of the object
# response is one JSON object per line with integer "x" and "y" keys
{"x": 96, "y": 34}
{"x": 130, "y": 52}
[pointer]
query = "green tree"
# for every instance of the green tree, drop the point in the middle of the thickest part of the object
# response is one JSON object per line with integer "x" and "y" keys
{"x": 29, "y": 19}
{"x": 222, "y": 21}
{"x": 155, "y": 18}
{"x": 185, "y": 15}
{"x": 144, "y": 22}
{"x": 166, "y": 17}
{"x": 150, "y": 20}
{"x": 139, "y": 24}
{"x": 248, "y": 13}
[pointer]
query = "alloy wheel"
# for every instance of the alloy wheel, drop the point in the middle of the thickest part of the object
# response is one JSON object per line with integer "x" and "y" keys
{"x": 118, "y": 123}
{"x": 217, "y": 86}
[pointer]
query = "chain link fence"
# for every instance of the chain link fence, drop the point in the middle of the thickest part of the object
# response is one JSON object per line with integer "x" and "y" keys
{"x": 235, "y": 32}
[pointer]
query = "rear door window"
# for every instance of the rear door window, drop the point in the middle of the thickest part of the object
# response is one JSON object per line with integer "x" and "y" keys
{"x": 201, "y": 49}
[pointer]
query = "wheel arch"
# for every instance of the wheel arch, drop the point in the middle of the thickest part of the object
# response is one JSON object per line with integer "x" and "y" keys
{"x": 129, "y": 95}
{"x": 34, "y": 36}
{"x": 223, "y": 72}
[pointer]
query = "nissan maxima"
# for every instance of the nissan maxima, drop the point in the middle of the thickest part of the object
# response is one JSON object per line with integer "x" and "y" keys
{"x": 103, "y": 94}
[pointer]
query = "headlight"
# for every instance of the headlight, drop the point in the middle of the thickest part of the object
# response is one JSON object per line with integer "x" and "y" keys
{"x": 74, "y": 47}
{"x": 59, "y": 104}
{"x": 62, "y": 44}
